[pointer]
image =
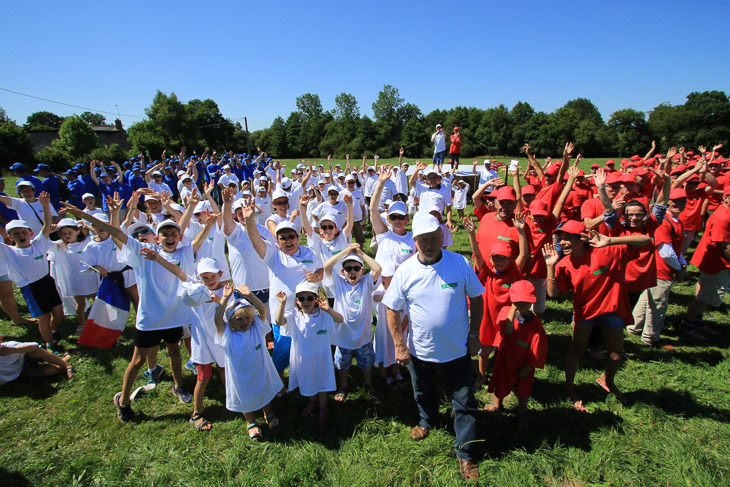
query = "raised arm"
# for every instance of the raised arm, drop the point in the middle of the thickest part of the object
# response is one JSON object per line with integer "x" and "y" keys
{"x": 378, "y": 225}
{"x": 471, "y": 229}
{"x": 244, "y": 291}
{"x": 229, "y": 225}
{"x": 332, "y": 261}
{"x": 92, "y": 172}
{"x": 572, "y": 174}
{"x": 349, "y": 224}
{"x": 154, "y": 256}
{"x": 120, "y": 173}
{"x": 375, "y": 268}
{"x": 203, "y": 234}
{"x": 45, "y": 200}
{"x": 306, "y": 226}
{"x": 183, "y": 219}
{"x": 533, "y": 162}
{"x": 651, "y": 151}
{"x": 111, "y": 230}
{"x": 253, "y": 231}
{"x": 280, "y": 311}
{"x": 220, "y": 325}
{"x": 420, "y": 166}
{"x": 524, "y": 254}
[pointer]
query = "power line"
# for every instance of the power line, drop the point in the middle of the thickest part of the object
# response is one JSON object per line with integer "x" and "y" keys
{"x": 68, "y": 104}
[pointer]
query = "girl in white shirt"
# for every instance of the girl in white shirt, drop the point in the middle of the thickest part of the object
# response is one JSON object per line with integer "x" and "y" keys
{"x": 310, "y": 326}
{"x": 251, "y": 378}
{"x": 461, "y": 188}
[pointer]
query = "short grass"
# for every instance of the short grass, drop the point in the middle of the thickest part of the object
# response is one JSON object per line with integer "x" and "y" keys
{"x": 675, "y": 432}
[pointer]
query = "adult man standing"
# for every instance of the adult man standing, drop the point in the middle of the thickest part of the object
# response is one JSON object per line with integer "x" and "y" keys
{"x": 434, "y": 285}
{"x": 455, "y": 149}
{"x": 438, "y": 139}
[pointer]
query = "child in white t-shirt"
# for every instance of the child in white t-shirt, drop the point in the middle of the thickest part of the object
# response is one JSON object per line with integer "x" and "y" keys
{"x": 28, "y": 267}
{"x": 461, "y": 188}
{"x": 251, "y": 378}
{"x": 383, "y": 345}
{"x": 310, "y": 325}
{"x": 23, "y": 360}
{"x": 353, "y": 300}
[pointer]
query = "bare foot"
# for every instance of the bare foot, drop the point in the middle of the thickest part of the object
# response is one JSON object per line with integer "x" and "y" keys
{"x": 601, "y": 381}
{"x": 493, "y": 409}
{"x": 578, "y": 406}
{"x": 25, "y": 322}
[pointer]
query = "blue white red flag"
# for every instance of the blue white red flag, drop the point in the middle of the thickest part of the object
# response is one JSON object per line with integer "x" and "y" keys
{"x": 108, "y": 316}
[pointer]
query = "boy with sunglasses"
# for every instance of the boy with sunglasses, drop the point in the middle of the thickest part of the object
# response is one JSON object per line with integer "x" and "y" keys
{"x": 354, "y": 301}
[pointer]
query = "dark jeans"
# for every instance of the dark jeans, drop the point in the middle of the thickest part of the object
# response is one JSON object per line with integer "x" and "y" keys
{"x": 458, "y": 377}
{"x": 438, "y": 157}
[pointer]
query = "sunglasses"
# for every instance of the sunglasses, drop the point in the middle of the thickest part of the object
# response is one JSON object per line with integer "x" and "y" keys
{"x": 289, "y": 236}
{"x": 280, "y": 203}
{"x": 305, "y": 299}
{"x": 327, "y": 227}
{"x": 143, "y": 231}
{"x": 397, "y": 217}
{"x": 356, "y": 268}
{"x": 300, "y": 174}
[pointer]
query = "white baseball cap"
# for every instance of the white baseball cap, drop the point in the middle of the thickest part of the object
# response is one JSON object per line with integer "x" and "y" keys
{"x": 87, "y": 195}
{"x": 168, "y": 223}
{"x": 207, "y": 265}
{"x": 285, "y": 225}
{"x": 67, "y": 222}
{"x": 201, "y": 207}
{"x": 307, "y": 287}
{"x": 424, "y": 223}
{"x": 17, "y": 224}
{"x": 397, "y": 208}
{"x": 278, "y": 194}
{"x": 285, "y": 182}
{"x": 353, "y": 257}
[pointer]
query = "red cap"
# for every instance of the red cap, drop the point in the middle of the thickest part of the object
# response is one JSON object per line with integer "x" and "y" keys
{"x": 717, "y": 161}
{"x": 610, "y": 162}
{"x": 500, "y": 247}
{"x": 677, "y": 193}
{"x": 635, "y": 158}
{"x": 642, "y": 171}
{"x": 539, "y": 207}
{"x": 690, "y": 153}
{"x": 678, "y": 169}
{"x": 595, "y": 166}
{"x": 613, "y": 178}
{"x": 624, "y": 162}
{"x": 726, "y": 191}
{"x": 456, "y": 128}
{"x": 630, "y": 164}
{"x": 527, "y": 189}
{"x": 693, "y": 178}
{"x": 506, "y": 193}
{"x": 552, "y": 170}
{"x": 572, "y": 226}
{"x": 628, "y": 178}
{"x": 522, "y": 292}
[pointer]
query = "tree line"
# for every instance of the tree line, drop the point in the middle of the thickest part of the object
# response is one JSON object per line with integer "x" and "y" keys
{"x": 312, "y": 131}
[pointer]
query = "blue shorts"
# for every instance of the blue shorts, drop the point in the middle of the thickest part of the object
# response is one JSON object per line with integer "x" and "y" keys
{"x": 610, "y": 320}
{"x": 365, "y": 357}
{"x": 282, "y": 348}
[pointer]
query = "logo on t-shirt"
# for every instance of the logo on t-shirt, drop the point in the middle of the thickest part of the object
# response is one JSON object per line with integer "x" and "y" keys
{"x": 506, "y": 239}
{"x": 600, "y": 270}
{"x": 449, "y": 285}
{"x": 321, "y": 332}
{"x": 522, "y": 344}
{"x": 307, "y": 261}
{"x": 506, "y": 286}
{"x": 38, "y": 257}
{"x": 408, "y": 251}
{"x": 258, "y": 347}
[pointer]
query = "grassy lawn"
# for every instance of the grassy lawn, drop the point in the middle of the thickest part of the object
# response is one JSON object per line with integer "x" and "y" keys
{"x": 675, "y": 432}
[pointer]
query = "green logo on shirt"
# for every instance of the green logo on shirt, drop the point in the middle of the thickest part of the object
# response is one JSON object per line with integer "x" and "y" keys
{"x": 335, "y": 252}
{"x": 258, "y": 347}
{"x": 408, "y": 251}
{"x": 522, "y": 344}
{"x": 306, "y": 261}
{"x": 506, "y": 239}
{"x": 358, "y": 302}
{"x": 321, "y": 332}
{"x": 600, "y": 270}
{"x": 506, "y": 286}
{"x": 38, "y": 258}
{"x": 449, "y": 285}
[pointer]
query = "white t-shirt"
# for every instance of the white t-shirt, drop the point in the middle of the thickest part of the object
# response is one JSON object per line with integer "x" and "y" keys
{"x": 26, "y": 213}
{"x": 358, "y": 203}
{"x": 227, "y": 179}
{"x": 436, "y": 299}
{"x": 326, "y": 249}
{"x": 246, "y": 265}
{"x": 439, "y": 142}
{"x": 266, "y": 209}
{"x": 383, "y": 344}
{"x": 369, "y": 184}
{"x": 394, "y": 248}
{"x": 311, "y": 368}
{"x": 159, "y": 188}
{"x": 389, "y": 191}
{"x": 29, "y": 264}
{"x": 72, "y": 277}
{"x": 214, "y": 246}
{"x": 251, "y": 378}
{"x": 460, "y": 196}
{"x": 94, "y": 212}
{"x": 286, "y": 271}
{"x": 103, "y": 254}
{"x": 160, "y": 302}
{"x": 428, "y": 197}
{"x": 401, "y": 181}
{"x": 295, "y": 192}
{"x": 11, "y": 365}
{"x": 338, "y": 212}
{"x": 355, "y": 304}
{"x": 485, "y": 175}
{"x": 204, "y": 348}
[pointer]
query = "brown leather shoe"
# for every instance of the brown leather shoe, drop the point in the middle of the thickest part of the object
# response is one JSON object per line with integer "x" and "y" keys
{"x": 469, "y": 469}
{"x": 418, "y": 433}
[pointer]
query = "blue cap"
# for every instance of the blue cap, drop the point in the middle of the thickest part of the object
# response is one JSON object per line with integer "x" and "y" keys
{"x": 79, "y": 166}
{"x": 42, "y": 167}
{"x": 168, "y": 168}
{"x": 18, "y": 167}
{"x": 70, "y": 172}
{"x": 127, "y": 165}
{"x": 104, "y": 175}
{"x": 136, "y": 166}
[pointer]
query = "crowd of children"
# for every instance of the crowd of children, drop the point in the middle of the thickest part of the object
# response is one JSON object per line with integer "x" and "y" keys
{"x": 207, "y": 249}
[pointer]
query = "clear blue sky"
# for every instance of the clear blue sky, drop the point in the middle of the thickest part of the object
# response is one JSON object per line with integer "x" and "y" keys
{"x": 255, "y": 58}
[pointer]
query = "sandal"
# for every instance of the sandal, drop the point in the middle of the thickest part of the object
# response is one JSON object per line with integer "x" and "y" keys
{"x": 271, "y": 420}
{"x": 307, "y": 411}
{"x": 418, "y": 433}
{"x": 341, "y": 394}
{"x": 254, "y": 432}
{"x": 578, "y": 406}
{"x": 492, "y": 408}
{"x": 200, "y": 423}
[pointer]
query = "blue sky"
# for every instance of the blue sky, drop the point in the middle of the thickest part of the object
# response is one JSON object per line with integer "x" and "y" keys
{"x": 255, "y": 58}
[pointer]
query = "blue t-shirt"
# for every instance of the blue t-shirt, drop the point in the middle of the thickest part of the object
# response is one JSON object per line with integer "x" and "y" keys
{"x": 51, "y": 186}
{"x": 125, "y": 192}
{"x": 7, "y": 213}
{"x": 90, "y": 185}
{"x": 76, "y": 187}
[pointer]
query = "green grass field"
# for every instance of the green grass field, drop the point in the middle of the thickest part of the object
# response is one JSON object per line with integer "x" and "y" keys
{"x": 675, "y": 432}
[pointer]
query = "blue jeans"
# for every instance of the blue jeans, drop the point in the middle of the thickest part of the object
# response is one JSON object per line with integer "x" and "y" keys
{"x": 438, "y": 157}
{"x": 458, "y": 376}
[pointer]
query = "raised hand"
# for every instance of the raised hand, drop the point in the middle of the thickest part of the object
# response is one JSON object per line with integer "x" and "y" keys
{"x": 573, "y": 170}
{"x": 568, "y": 149}
{"x": 243, "y": 290}
{"x": 526, "y": 148}
{"x": 311, "y": 277}
{"x": 209, "y": 187}
{"x": 114, "y": 204}
{"x": 227, "y": 195}
{"x": 303, "y": 200}
{"x": 402, "y": 151}
{"x": 281, "y": 297}
{"x": 702, "y": 149}
{"x": 519, "y": 221}
{"x": 578, "y": 158}
{"x": 347, "y": 199}
{"x": 228, "y": 289}
{"x": 384, "y": 174}
{"x": 469, "y": 225}
{"x": 599, "y": 179}
{"x": 44, "y": 198}
{"x": 149, "y": 254}
{"x": 596, "y": 240}
{"x": 323, "y": 304}
{"x": 249, "y": 212}
{"x": 550, "y": 255}
{"x": 193, "y": 200}
{"x": 69, "y": 208}
{"x": 421, "y": 166}
{"x": 295, "y": 213}
{"x": 671, "y": 153}
{"x": 717, "y": 147}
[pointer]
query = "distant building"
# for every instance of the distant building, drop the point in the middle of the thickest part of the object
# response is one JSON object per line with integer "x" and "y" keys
{"x": 108, "y": 135}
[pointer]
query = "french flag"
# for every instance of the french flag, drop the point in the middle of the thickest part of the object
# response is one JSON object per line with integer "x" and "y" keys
{"x": 108, "y": 316}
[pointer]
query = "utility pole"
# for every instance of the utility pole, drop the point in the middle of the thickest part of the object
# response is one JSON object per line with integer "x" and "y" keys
{"x": 248, "y": 142}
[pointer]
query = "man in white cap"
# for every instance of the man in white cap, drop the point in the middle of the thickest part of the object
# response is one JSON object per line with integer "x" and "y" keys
{"x": 434, "y": 285}
{"x": 433, "y": 193}
{"x": 438, "y": 139}
{"x": 227, "y": 178}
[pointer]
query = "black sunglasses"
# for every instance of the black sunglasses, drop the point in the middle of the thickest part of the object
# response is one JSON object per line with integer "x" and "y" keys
{"x": 289, "y": 236}
{"x": 397, "y": 217}
{"x": 305, "y": 299}
{"x": 355, "y": 268}
{"x": 327, "y": 227}
{"x": 142, "y": 231}
{"x": 281, "y": 202}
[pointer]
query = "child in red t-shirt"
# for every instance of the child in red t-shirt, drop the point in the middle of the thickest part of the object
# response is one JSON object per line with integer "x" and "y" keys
{"x": 523, "y": 349}
{"x": 497, "y": 276}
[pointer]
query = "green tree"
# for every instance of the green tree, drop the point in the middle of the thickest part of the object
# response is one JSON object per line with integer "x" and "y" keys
{"x": 632, "y": 132}
{"x": 106, "y": 153}
{"x": 43, "y": 121}
{"x": 310, "y": 105}
{"x": 93, "y": 119}
{"x": 386, "y": 106}
{"x": 211, "y": 127}
{"x": 75, "y": 138}
{"x": 15, "y": 143}
{"x": 146, "y": 136}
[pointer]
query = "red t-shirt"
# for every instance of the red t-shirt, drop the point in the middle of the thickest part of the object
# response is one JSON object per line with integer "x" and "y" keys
{"x": 669, "y": 232}
{"x": 550, "y": 194}
{"x": 708, "y": 258}
{"x": 691, "y": 216}
{"x": 496, "y": 297}
{"x": 491, "y": 230}
{"x": 534, "y": 181}
{"x": 573, "y": 203}
{"x": 716, "y": 198}
{"x": 592, "y": 208}
{"x": 540, "y": 236}
{"x": 597, "y": 281}
{"x": 526, "y": 345}
{"x": 641, "y": 268}
{"x": 455, "y": 144}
